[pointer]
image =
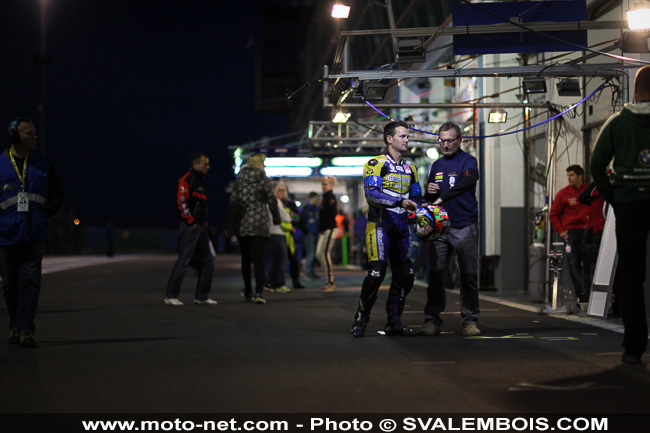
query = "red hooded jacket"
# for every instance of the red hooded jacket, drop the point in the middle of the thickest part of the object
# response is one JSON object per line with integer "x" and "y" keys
{"x": 567, "y": 213}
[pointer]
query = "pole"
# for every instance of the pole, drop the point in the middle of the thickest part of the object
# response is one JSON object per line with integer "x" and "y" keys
{"x": 42, "y": 62}
{"x": 549, "y": 200}
{"x": 527, "y": 207}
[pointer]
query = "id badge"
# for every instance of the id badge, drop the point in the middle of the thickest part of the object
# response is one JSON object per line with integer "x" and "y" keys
{"x": 23, "y": 202}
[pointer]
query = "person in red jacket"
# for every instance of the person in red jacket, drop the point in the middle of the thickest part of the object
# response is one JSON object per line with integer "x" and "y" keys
{"x": 194, "y": 245}
{"x": 569, "y": 218}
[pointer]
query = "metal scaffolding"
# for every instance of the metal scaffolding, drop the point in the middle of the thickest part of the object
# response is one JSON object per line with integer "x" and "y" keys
{"x": 326, "y": 138}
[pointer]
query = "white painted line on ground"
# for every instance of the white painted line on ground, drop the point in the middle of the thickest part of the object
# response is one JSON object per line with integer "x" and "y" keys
{"x": 599, "y": 323}
{"x": 577, "y": 387}
{"x": 58, "y": 264}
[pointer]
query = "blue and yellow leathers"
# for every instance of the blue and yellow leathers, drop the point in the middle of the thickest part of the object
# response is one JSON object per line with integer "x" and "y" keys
{"x": 388, "y": 237}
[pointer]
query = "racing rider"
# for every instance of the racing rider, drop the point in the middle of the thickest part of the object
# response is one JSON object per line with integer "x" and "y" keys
{"x": 391, "y": 189}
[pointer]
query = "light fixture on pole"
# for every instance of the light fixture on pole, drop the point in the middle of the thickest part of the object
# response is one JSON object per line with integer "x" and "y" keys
{"x": 357, "y": 88}
{"x": 498, "y": 115}
{"x": 341, "y": 117}
{"x": 635, "y": 42}
{"x": 410, "y": 50}
{"x": 568, "y": 87}
{"x": 340, "y": 10}
{"x": 638, "y": 18}
{"x": 534, "y": 85}
{"x": 374, "y": 91}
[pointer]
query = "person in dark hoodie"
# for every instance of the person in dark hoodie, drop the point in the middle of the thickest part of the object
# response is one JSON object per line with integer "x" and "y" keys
{"x": 191, "y": 200}
{"x": 625, "y": 138}
{"x": 248, "y": 218}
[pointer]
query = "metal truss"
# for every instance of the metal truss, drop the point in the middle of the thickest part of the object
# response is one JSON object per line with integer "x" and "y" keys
{"x": 339, "y": 65}
{"x": 560, "y": 70}
{"x": 327, "y": 138}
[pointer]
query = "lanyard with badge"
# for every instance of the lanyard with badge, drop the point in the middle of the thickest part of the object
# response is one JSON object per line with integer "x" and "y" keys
{"x": 23, "y": 198}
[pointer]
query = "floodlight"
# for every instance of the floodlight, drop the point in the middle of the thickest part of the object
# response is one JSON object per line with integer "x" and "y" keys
{"x": 497, "y": 115}
{"x": 534, "y": 85}
{"x": 638, "y": 18}
{"x": 410, "y": 50}
{"x": 341, "y": 117}
{"x": 635, "y": 42}
{"x": 367, "y": 90}
{"x": 340, "y": 10}
{"x": 374, "y": 91}
{"x": 568, "y": 87}
{"x": 357, "y": 89}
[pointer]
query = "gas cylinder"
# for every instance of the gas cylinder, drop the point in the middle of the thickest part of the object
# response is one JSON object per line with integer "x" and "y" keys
{"x": 536, "y": 272}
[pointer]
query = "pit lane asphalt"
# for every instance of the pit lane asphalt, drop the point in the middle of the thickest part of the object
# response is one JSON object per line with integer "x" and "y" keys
{"x": 108, "y": 344}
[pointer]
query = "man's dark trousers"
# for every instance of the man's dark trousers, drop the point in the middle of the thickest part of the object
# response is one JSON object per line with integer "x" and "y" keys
{"x": 194, "y": 243}
{"x": 20, "y": 267}
{"x": 632, "y": 228}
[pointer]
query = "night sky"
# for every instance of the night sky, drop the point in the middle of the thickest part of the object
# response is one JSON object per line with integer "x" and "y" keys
{"x": 133, "y": 88}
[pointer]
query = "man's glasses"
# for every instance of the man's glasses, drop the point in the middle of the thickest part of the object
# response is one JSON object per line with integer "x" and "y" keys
{"x": 447, "y": 140}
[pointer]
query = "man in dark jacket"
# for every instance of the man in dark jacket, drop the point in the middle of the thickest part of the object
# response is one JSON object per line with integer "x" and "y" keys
{"x": 31, "y": 191}
{"x": 327, "y": 211}
{"x": 593, "y": 230}
{"x": 191, "y": 200}
{"x": 309, "y": 217}
{"x": 452, "y": 183}
{"x": 625, "y": 138}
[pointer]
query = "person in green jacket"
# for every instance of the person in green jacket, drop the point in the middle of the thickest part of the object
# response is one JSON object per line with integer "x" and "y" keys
{"x": 625, "y": 139}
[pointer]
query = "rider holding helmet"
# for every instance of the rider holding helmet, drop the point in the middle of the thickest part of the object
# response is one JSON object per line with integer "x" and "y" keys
{"x": 392, "y": 191}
